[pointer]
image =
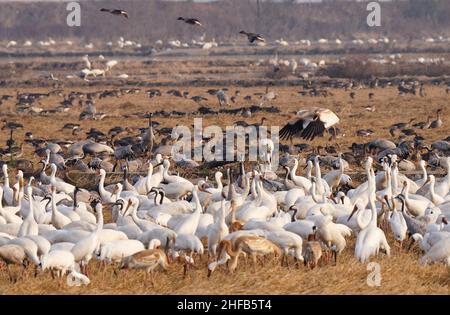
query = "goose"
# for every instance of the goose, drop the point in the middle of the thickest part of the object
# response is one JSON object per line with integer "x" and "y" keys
{"x": 191, "y": 21}
{"x": 8, "y": 193}
{"x": 252, "y": 37}
{"x": 84, "y": 248}
{"x": 309, "y": 124}
{"x": 116, "y": 12}
{"x": 438, "y": 122}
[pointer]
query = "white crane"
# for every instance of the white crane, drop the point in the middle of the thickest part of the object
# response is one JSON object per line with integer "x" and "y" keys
{"x": 84, "y": 249}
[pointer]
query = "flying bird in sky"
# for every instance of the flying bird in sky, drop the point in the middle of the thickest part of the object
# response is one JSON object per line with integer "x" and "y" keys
{"x": 116, "y": 12}
{"x": 252, "y": 37}
{"x": 191, "y": 21}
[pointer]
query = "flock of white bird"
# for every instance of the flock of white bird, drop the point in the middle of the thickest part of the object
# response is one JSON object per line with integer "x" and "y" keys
{"x": 123, "y": 43}
{"x": 55, "y": 226}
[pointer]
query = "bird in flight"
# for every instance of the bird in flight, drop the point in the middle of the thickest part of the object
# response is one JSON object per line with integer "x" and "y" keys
{"x": 116, "y": 12}
{"x": 309, "y": 124}
{"x": 191, "y": 21}
{"x": 252, "y": 37}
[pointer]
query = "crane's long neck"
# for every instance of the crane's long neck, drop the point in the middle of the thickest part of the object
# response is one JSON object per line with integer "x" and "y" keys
{"x": 313, "y": 193}
{"x": 246, "y": 187}
{"x": 54, "y": 207}
{"x": 372, "y": 188}
{"x": 218, "y": 181}
{"x": 148, "y": 181}
{"x": 432, "y": 191}
{"x": 198, "y": 205}
{"x": 424, "y": 172}
{"x": 134, "y": 215}
{"x": 233, "y": 212}
{"x": 30, "y": 215}
{"x": 294, "y": 168}
{"x": 166, "y": 171}
{"x": 99, "y": 220}
{"x": 5, "y": 175}
{"x": 318, "y": 173}
{"x": 308, "y": 171}
{"x": 286, "y": 177}
{"x": 101, "y": 183}
{"x": 394, "y": 180}
{"x": 341, "y": 166}
{"x": 388, "y": 179}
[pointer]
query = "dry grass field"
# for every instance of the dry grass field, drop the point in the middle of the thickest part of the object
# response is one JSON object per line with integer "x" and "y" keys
{"x": 401, "y": 273}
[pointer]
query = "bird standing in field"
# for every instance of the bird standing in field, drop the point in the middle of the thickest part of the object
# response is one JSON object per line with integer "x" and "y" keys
{"x": 252, "y": 37}
{"x": 191, "y": 21}
{"x": 116, "y": 12}
{"x": 309, "y": 124}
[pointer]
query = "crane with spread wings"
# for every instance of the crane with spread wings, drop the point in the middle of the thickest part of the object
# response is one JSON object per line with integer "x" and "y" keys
{"x": 309, "y": 124}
